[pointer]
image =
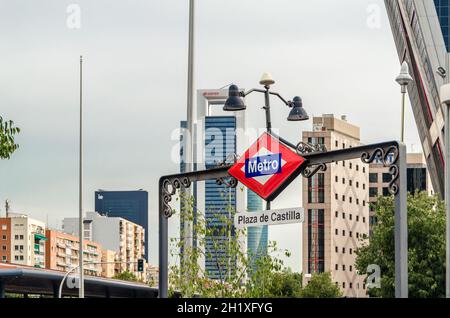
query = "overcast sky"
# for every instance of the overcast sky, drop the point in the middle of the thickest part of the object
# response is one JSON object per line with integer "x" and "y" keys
{"x": 339, "y": 56}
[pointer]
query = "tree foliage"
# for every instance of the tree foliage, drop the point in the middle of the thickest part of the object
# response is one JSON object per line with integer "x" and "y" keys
{"x": 321, "y": 286}
{"x": 126, "y": 275}
{"x": 426, "y": 247}
{"x": 7, "y": 133}
{"x": 238, "y": 274}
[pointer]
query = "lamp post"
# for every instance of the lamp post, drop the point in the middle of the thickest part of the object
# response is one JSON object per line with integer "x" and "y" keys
{"x": 235, "y": 103}
{"x": 80, "y": 189}
{"x": 403, "y": 79}
{"x": 445, "y": 100}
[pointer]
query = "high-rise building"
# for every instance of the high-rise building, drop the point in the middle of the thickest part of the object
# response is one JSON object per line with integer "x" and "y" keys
{"x": 417, "y": 179}
{"x": 421, "y": 33}
{"x": 336, "y": 208}
{"x": 113, "y": 233}
{"x": 62, "y": 252}
{"x": 22, "y": 240}
{"x": 218, "y": 136}
{"x": 130, "y": 205}
{"x": 257, "y": 236}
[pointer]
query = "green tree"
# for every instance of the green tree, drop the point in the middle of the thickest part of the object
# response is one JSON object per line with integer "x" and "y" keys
{"x": 426, "y": 247}
{"x": 239, "y": 274}
{"x": 126, "y": 275}
{"x": 285, "y": 284}
{"x": 321, "y": 286}
{"x": 7, "y": 133}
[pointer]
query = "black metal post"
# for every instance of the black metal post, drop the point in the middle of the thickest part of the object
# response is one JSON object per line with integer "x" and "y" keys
{"x": 267, "y": 109}
{"x": 2, "y": 289}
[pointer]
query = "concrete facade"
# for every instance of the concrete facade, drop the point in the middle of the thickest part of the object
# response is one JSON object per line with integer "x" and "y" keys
{"x": 336, "y": 208}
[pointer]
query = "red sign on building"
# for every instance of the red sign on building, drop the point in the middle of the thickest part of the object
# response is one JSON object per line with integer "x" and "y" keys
{"x": 267, "y": 167}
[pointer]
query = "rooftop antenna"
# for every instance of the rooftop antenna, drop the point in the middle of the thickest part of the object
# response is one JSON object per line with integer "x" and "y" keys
{"x": 7, "y": 207}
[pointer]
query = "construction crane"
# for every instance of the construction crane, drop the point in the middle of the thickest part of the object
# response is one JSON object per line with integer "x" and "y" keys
{"x": 7, "y": 207}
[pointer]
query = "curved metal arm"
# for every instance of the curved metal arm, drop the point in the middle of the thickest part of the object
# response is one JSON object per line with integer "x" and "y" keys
{"x": 288, "y": 103}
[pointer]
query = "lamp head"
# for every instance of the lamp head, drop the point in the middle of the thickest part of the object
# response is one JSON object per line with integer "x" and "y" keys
{"x": 297, "y": 113}
{"x": 266, "y": 79}
{"x": 234, "y": 102}
{"x": 404, "y": 78}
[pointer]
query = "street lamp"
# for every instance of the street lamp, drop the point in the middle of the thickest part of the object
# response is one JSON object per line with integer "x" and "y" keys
{"x": 235, "y": 102}
{"x": 445, "y": 100}
{"x": 403, "y": 79}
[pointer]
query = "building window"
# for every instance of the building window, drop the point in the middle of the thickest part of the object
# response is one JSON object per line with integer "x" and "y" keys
{"x": 350, "y": 216}
{"x": 364, "y": 219}
{"x": 336, "y": 143}
{"x": 357, "y": 234}
{"x": 350, "y": 165}
{"x": 336, "y": 267}
{"x": 386, "y": 192}
{"x": 4, "y": 258}
{"x": 343, "y": 267}
{"x": 16, "y": 237}
{"x": 4, "y": 247}
{"x": 350, "y": 285}
{"x": 364, "y": 202}
{"x": 364, "y": 169}
{"x": 343, "y": 285}
{"x": 343, "y": 163}
{"x": 336, "y": 196}
{"x": 357, "y": 167}
{"x": 357, "y": 201}
{"x": 336, "y": 249}
{"x": 357, "y": 218}
{"x": 350, "y": 199}
{"x": 4, "y": 237}
{"x": 350, "y": 233}
{"x": 350, "y": 182}
{"x": 343, "y": 180}
{"x": 4, "y": 227}
{"x": 350, "y": 268}
{"x": 343, "y": 232}
{"x": 357, "y": 184}
{"x": 316, "y": 188}
{"x": 343, "y": 250}
{"x": 416, "y": 179}
{"x": 387, "y": 177}
{"x": 343, "y": 198}
{"x": 336, "y": 178}
{"x": 364, "y": 186}
{"x": 316, "y": 241}
{"x": 336, "y": 214}
{"x": 350, "y": 251}
{"x": 343, "y": 215}
{"x": 343, "y": 145}
{"x": 336, "y": 231}
{"x": 373, "y": 192}
{"x": 373, "y": 177}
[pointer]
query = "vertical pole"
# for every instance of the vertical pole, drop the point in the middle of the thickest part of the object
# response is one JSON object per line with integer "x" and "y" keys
{"x": 447, "y": 196}
{"x": 80, "y": 190}
{"x": 403, "y": 114}
{"x": 268, "y": 122}
{"x": 187, "y": 235}
{"x": 401, "y": 228}
{"x": 163, "y": 246}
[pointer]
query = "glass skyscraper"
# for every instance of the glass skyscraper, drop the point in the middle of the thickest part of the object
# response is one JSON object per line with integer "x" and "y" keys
{"x": 258, "y": 236}
{"x": 421, "y": 34}
{"x": 130, "y": 205}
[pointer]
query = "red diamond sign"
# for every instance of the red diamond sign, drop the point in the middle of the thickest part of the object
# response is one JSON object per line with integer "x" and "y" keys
{"x": 266, "y": 166}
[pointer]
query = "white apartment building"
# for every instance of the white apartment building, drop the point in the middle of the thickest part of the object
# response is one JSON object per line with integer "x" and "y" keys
{"x": 126, "y": 238}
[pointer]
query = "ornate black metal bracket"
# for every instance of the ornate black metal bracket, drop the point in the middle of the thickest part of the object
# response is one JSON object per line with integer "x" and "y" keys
{"x": 229, "y": 182}
{"x": 311, "y": 170}
{"x": 307, "y": 148}
{"x": 391, "y": 162}
{"x": 170, "y": 187}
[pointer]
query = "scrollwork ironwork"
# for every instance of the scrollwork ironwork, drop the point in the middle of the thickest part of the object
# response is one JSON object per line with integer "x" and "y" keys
{"x": 306, "y": 147}
{"x": 170, "y": 187}
{"x": 228, "y": 182}
{"x": 389, "y": 158}
{"x": 310, "y": 171}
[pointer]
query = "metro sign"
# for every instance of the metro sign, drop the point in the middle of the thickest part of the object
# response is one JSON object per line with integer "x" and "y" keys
{"x": 267, "y": 167}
